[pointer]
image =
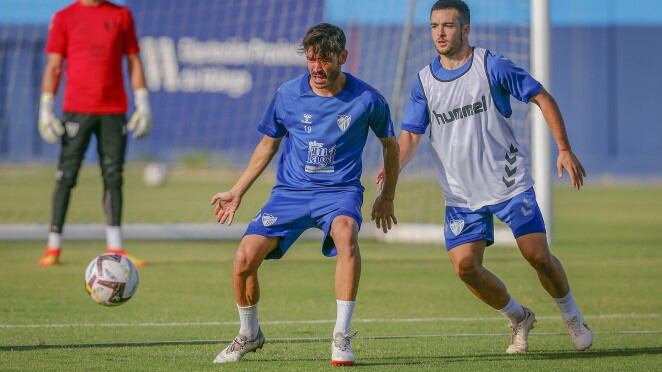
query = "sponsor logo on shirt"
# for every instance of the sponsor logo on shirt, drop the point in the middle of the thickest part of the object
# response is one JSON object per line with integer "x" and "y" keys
{"x": 321, "y": 159}
{"x": 460, "y": 112}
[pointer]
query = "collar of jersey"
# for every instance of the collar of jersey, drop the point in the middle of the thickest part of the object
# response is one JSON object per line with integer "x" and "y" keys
{"x": 306, "y": 90}
{"x": 443, "y": 74}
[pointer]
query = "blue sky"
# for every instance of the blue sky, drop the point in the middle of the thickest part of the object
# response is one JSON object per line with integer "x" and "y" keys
{"x": 563, "y": 12}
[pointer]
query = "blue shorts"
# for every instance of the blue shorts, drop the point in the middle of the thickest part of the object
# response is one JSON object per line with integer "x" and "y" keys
{"x": 287, "y": 214}
{"x": 520, "y": 212}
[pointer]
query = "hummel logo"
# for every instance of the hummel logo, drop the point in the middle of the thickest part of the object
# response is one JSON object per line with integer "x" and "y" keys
{"x": 527, "y": 208}
{"x": 307, "y": 119}
{"x": 507, "y": 182}
{"x": 510, "y": 171}
{"x": 460, "y": 112}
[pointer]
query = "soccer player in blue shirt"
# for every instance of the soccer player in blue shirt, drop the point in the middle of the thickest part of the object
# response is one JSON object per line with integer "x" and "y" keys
{"x": 323, "y": 118}
{"x": 464, "y": 98}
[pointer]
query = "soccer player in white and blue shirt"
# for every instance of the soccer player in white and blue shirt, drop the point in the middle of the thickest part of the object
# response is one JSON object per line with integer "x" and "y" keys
{"x": 323, "y": 118}
{"x": 464, "y": 98}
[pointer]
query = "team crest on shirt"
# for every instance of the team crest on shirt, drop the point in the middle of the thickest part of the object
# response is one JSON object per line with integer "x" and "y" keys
{"x": 344, "y": 121}
{"x": 456, "y": 226}
{"x": 71, "y": 128}
{"x": 268, "y": 219}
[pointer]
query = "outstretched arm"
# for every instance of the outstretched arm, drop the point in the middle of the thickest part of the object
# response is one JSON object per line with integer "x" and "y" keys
{"x": 408, "y": 143}
{"x": 383, "y": 211}
{"x": 566, "y": 158}
{"x": 227, "y": 202}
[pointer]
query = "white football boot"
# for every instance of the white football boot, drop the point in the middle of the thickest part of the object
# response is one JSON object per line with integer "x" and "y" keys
{"x": 238, "y": 347}
{"x": 519, "y": 342}
{"x": 341, "y": 350}
{"x": 580, "y": 334}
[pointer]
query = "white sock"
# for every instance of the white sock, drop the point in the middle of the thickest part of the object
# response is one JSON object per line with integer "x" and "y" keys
{"x": 54, "y": 240}
{"x": 248, "y": 321}
{"x": 114, "y": 237}
{"x": 513, "y": 311}
{"x": 343, "y": 316}
{"x": 568, "y": 306}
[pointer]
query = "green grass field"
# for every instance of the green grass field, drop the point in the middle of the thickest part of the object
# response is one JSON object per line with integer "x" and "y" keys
{"x": 412, "y": 313}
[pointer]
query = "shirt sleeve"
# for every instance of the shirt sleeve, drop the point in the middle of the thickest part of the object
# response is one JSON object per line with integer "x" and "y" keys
{"x": 130, "y": 39}
{"x": 513, "y": 79}
{"x": 416, "y": 118}
{"x": 271, "y": 123}
{"x": 380, "y": 118}
{"x": 57, "y": 36}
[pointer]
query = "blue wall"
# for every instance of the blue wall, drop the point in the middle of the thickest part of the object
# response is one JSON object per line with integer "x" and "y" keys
{"x": 605, "y": 73}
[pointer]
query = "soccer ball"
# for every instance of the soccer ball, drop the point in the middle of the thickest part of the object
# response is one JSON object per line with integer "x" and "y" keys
{"x": 155, "y": 174}
{"x": 111, "y": 279}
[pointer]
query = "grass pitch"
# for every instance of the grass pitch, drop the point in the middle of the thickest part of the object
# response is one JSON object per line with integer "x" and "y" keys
{"x": 412, "y": 312}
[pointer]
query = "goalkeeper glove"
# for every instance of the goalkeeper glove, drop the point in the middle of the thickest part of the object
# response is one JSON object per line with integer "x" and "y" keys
{"x": 50, "y": 127}
{"x": 141, "y": 120}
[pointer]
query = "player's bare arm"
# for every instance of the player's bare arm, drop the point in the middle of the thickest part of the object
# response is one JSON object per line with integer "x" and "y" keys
{"x": 383, "y": 212}
{"x": 566, "y": 159}
{"x": 136, "y": 71}
{"x": 407, "y": 143}
{"x": 227, "y": 202}
{"x": 52, "y": 73}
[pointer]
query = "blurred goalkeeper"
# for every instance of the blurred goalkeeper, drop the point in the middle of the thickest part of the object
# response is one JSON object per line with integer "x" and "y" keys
{"x": 463, "y": 96}
{"x": 92, "y": 36}
{"x": 323, "y": 118}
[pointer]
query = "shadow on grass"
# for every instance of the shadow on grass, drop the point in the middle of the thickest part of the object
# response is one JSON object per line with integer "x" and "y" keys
{"x": 552, "y": 355}
{"x": 372, "y": 362}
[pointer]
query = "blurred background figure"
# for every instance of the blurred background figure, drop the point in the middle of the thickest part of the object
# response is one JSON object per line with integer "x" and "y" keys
{"x": 92, "y": 36}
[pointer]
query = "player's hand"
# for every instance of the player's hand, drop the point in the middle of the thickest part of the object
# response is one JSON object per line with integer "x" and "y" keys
{"x": 226, "y": 204}
{"x": 383, "y": 213}
{"x": 568, "y": 161}
{"x": 140, "y": 123}
{"x": 50, "y": 128}
{"x": 379, "y": 178}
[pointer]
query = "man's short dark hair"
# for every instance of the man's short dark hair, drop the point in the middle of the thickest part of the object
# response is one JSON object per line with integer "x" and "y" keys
{"x": 459, "y": 5}
{"x": 324, "y": 39}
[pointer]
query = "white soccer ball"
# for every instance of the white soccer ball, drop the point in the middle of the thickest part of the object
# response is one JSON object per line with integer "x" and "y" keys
{"x": 111, "y": 279}
{"x": 155, "y": 174}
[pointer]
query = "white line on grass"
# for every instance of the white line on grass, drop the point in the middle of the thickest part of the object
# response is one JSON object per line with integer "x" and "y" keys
{"x": 319, "y": 321}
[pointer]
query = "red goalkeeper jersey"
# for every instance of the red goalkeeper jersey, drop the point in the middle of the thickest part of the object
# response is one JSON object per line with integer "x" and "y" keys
{"x": 93, "y": 40}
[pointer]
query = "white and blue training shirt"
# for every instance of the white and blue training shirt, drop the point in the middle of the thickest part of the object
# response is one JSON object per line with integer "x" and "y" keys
{"x": 477, "y": 157}
{"x": 324, "y": 136}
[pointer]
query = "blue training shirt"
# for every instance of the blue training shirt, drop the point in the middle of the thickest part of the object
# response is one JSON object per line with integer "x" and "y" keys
{"x": 506, "y": 79}
{"x": 324, "y": 136}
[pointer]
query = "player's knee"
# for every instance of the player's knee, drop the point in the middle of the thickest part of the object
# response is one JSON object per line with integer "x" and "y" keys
{"x": 540, "y": 261}
{"x": 66, "y": 179}
{"x": 467, "y": 269}
{"x": 344, "y": 232}
{"x": 112, "y": 179}
{"x": 245, "y": 261}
